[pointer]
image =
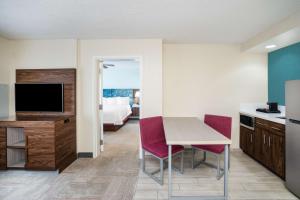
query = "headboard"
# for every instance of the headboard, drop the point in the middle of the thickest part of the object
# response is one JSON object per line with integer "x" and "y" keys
{"x": 121, "y": 93}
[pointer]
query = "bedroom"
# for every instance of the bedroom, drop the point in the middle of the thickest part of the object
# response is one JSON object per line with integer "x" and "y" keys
{"x": 120, "y": 94}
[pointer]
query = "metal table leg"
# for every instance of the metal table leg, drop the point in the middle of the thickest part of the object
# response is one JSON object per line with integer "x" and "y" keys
{"x": 170, "y": 170}
{"x": 226, "y": 172}
{"x": 223, "y": 197}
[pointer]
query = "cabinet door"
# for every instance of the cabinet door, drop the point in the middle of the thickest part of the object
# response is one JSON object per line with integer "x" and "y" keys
{"x": 258, "y": 142}
{"x": 277, "y": 155}
{"x": 2, "y": 148}
{"x": 266, "y": 148}
{"x": 250, "y": 143}
{"x": 247, "y": 140}
{"x": 65, "y": 142}
{"x": 40, "y": 148}
{"x": 243, "y": 138}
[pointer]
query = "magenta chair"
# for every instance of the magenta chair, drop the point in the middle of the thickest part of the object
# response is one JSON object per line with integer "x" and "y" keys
{"x": 221, "y": 124}
{"x": 154, "y": 142}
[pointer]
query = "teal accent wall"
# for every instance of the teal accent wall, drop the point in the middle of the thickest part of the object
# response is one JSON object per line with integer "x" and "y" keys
{"x": 283, "y": 65}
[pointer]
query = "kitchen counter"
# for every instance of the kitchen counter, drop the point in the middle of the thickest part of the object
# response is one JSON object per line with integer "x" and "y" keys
{"x": 250, "y": 110}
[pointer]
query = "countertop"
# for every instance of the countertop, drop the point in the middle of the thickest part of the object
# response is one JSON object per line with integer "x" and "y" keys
{"x": 267, "y": 116}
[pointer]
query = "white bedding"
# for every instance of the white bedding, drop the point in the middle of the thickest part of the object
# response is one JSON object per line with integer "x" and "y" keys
{"x": 115, "y": 113}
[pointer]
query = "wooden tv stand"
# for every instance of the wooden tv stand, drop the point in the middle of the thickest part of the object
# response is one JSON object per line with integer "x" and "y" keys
{"x": 41, "y": 140}
{"x": 37, "y": 143}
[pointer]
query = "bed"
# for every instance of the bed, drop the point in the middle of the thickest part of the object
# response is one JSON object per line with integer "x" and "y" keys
{"x": 116, "y": 112}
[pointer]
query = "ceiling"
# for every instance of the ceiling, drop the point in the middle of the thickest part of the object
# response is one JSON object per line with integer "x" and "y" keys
{"x": 282, "y": 40}
{"x": 209, "y": 21}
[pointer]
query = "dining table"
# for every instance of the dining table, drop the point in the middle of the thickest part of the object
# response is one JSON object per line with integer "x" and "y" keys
{"x": 193, "y": 131}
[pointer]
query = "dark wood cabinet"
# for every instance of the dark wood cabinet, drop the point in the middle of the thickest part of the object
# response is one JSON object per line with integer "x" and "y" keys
{"x": 258, "y": 143}
{"x": 243, "y": 138}
{"x": 247, "y": 140}
{"x": 267, "y": 144}
{"x": 278, "y": 155}
{"x": 266, "y": 149}
{"x": 277, "y": 148}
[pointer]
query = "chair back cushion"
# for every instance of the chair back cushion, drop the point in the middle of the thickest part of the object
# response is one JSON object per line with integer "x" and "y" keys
{"x": 222, "y": 124}
{"x": 152, "y": 130}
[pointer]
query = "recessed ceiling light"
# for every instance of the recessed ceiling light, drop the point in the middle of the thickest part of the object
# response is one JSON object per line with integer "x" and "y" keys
{"x": 270, "y": 46}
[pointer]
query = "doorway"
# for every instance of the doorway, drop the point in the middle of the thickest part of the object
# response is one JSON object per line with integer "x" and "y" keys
{"x": 119, "y": 98}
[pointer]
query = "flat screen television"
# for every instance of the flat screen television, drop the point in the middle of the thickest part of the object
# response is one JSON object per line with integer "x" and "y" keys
{"x": 40, "y": 97}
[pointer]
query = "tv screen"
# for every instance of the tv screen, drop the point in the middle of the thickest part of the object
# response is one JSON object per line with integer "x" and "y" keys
{"x": 39, "y": 97}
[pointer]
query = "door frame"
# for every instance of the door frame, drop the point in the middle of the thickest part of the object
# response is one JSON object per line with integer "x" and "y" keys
{"x": 98, "y": 78}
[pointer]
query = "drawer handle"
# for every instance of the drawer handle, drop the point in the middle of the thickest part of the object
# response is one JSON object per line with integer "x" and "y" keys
{"x": 269, "y": 141}
{"x": 66, "y": 121}
{"x": 264, "y": 139}
{"x": 275, "y": 128}
{"x": 261, "y": 124}
{"x": 251, "y": 138}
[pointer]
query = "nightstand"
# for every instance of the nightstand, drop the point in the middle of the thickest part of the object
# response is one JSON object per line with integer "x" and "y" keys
{"x": 135, "y": 110}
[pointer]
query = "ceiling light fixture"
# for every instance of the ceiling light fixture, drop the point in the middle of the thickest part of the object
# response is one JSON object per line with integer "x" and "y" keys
{"x": 271, "y": 46}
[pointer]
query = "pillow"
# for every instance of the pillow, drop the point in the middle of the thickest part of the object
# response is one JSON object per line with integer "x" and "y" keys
{"x": 123, "y": 100}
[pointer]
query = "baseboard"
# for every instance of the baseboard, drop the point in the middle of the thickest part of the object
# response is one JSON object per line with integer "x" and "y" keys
{"x": 85, "y": 155}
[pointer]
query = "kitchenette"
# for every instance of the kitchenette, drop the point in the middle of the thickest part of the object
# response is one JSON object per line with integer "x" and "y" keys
{"x": 270, "y": 134}
{"x": 262, "y": 136}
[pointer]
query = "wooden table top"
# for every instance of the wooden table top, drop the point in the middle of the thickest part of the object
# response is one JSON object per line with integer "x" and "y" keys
{"x": 190, "y": 130}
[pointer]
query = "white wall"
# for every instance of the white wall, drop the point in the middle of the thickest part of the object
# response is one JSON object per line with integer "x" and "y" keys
{"x": 29, "y": 54}
{"x": 5, "y": 64}
{"x": 207, "y": 78}
{"x": 123, "y": 75}
{"x": 151, "y": 75}
{"x": 40, "y": 54}
{"x": 5, "y": 60}
{"x": 196, "y": 79}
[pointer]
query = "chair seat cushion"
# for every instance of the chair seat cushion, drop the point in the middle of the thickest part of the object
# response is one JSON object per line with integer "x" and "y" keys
{"x": 212, "y": 148}
{"x": 161, "y": 149}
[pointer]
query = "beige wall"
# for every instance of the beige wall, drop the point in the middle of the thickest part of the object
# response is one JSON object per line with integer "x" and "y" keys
{"x": 151, "y": 53}
{"x": 45, "y": 53}
{"x": 5, "y": 60}
{"x": 80, "y": 54}
{"x": 195, "y": 79}
{"x": 207, "y": 78}
{"x": 5, "y": 63}
{"x": 40, "y": 54}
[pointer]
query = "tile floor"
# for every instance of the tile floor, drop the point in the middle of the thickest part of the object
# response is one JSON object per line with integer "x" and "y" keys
{"x": 115, "y": 175}
{"x": 247, "y": 180}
